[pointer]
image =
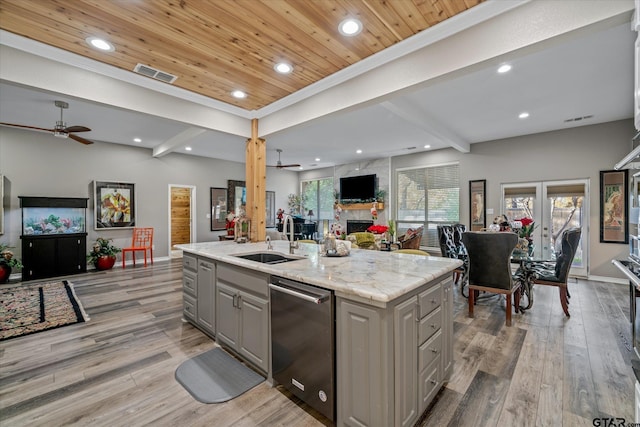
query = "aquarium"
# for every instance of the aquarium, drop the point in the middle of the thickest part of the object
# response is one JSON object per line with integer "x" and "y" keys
{"x": 37, "y": 221}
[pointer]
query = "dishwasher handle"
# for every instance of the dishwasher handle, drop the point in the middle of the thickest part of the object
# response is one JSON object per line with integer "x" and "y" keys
{"x": 300, "y": 294}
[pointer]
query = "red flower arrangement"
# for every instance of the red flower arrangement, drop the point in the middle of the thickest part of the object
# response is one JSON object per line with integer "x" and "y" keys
{"x": 378, "y": 229}
{"x": 528, "y": 225}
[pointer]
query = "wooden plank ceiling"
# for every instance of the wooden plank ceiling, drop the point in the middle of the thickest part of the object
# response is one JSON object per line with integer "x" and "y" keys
{"x": 217, "y": 46}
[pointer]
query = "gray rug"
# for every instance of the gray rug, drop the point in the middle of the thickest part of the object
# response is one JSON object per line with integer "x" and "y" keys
{"x": 215, "y": 376}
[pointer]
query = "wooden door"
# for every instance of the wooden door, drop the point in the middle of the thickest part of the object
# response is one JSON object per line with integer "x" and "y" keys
{"x": 180, "y": 215}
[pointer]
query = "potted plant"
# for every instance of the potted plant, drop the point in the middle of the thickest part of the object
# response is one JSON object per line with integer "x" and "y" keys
{"x": 7, "y": 262}
{"x": 103, "y": 254}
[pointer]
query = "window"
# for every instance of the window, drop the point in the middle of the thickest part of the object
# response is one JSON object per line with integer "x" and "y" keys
{"x": 318, "y": 197}
{"x": 428, "y": 197}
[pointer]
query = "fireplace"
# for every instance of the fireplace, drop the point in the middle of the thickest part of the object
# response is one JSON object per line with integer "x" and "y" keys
{"x": 355, "y": 226}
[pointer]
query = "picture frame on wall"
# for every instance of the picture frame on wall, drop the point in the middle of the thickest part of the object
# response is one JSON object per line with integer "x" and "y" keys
{"x": 271, "y": 209}
{"x": 477, "y": 203}
{"x": 614, "y": 206}
{"x": 218, "y": 208}
{"x": 114, "y": 205}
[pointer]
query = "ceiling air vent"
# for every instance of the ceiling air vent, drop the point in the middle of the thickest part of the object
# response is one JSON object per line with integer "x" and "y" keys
{"x": 145, "y": 70}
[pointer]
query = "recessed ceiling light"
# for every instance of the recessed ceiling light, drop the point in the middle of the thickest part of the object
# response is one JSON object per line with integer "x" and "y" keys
{"x": 523, "y": 115}
{"x": 99, "y": 43}
{"x": 427, "y": 146}
{"x": 283, "y": 68}
{"x": 238, "y": 94}
{"x": 359, "y": 151}
{"x": 504, "y": 68}
{"x": 350, "y": 27}
{"x": 317, "y": 159}
{"x": 137, "y": 140}
{"x": 187, "y": 148}
{"x": 301, "y": 168}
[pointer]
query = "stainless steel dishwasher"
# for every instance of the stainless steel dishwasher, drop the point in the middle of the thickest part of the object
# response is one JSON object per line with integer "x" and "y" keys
{"x": 302, "y": 339}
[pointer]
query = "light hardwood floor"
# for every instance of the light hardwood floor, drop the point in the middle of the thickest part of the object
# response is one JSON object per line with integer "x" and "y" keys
{"x": 118, "y": 369}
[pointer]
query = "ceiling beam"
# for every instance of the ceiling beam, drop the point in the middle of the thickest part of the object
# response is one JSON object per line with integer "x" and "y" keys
{"x": 177, "y": 141}
{"x": 415, "y": 115}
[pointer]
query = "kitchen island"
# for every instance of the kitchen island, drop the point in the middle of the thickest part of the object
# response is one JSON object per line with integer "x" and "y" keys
{"x": 393, "y": 319}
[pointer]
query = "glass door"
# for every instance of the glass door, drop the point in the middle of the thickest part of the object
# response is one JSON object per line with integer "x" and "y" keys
{"x": 555, "y": 206}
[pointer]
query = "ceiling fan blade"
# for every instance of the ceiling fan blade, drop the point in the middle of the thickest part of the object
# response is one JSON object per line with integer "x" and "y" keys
{"x": 80, "y": 139}
{"x": 77, "y": 129}
{"x": 293, "y": 165}
{"x": 25, "y": 127}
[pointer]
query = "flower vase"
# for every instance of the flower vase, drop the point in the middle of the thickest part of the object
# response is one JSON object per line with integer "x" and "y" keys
{"x": 5, "y": 272}
{"x": 105, "y": 262}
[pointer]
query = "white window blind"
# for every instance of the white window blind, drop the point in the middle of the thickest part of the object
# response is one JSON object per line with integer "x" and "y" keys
{"x": 428, "y": 197}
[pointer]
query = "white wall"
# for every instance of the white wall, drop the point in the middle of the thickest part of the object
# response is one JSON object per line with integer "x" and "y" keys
{"x": 39, "y": 164}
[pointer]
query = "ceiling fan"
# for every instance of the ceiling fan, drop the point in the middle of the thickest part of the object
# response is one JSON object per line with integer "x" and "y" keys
{"x": 60, "y": 129}
{"x": 279, "y": 165}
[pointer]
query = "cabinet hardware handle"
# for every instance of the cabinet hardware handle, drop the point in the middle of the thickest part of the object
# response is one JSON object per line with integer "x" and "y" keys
{"x": 433, "y": 326}
{"x": 434, "y": 350}
{"x": 235, "y": 304}
{"x": 434, "y": 382}
{"x": 433, "y": 301}
{"x": 239, "y": 302}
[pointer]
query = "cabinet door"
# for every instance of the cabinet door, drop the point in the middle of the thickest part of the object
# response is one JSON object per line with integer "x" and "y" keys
{"x": 39, "y": 258}
{"x": 359, "y": 366}
{"x": 227, "y": 317}
{"x": 447, "y": 329}
{"x": 406, "y": 362}
{"x": 254, "y": 329}
{"x": 206, "y": 304}
{"x": 70, "y": 255}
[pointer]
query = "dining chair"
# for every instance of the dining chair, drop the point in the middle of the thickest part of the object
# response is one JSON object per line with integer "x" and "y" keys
{"x": 450, "y": 240}
{"x": 411, "y": 252}
{"x": 490, "y": 267}
{"x": 559, "y": 274}
{"x": 142, "y": 240}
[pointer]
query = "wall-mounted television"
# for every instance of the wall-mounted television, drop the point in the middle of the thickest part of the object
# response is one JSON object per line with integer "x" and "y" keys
{"x": 358, "y": 188}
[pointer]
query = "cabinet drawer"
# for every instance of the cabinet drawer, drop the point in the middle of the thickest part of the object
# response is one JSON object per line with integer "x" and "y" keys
{"x": 189, "y": 283}
{"x": 189, "y": 262}
{"x": 430, "y": 351}
{"x": 429, "y": 300}
{"x": 429, "y": 384}
{"x": 189, "y": 307}
{"x": 429, "y": 325}
{"x": 254, "y": 282}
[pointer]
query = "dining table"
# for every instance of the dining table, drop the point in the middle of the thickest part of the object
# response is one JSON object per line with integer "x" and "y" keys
{"x": 530, "y": 262}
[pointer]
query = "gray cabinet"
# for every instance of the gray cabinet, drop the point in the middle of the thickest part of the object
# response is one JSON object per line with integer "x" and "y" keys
{"x": 242, "y": 313}
{"x": 206, "y": 302}
{"x": 392, "y": 359}
{"x": 198, "y": 292}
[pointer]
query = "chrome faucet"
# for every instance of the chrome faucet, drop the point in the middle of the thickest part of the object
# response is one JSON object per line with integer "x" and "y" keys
{"x": 292, "y": 243}
{"x": 268, "y": 240}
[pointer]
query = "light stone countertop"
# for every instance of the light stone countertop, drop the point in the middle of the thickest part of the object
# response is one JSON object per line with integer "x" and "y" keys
{"x": 373, "y": 276}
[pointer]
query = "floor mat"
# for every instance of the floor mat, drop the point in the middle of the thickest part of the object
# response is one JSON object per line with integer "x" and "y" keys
{"x": 215, "y": 376}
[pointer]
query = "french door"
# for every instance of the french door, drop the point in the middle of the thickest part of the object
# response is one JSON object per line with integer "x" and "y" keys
{"x": 555, "y": 206}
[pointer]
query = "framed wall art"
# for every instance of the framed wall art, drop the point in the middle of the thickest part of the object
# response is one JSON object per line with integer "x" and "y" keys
{"x": 271, "y": 209}
{"x": 236, "y": 196}
{"x": 218, "y": 208}
{"x": 477, "y": 199}
{"x": 115, "y": 205}
{"x": 614, "y": 205}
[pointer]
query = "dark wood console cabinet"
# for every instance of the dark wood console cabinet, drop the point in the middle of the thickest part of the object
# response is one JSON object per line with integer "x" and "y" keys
{"x": 53, "y": 252}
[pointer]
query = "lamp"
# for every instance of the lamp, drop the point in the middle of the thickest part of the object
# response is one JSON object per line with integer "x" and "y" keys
{"x": 310, "y": 214}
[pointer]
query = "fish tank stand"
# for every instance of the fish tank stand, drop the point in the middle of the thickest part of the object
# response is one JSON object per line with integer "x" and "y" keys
{"x": 54, "y": 237}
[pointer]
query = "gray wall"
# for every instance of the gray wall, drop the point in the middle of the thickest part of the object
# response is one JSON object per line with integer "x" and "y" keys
{"x": 38, "y": 164}
{"x": 568, "y": 154}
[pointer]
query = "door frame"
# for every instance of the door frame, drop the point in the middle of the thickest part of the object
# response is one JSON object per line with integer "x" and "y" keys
{"x": 192, "y": 213}
{"x": 540, "y": 203}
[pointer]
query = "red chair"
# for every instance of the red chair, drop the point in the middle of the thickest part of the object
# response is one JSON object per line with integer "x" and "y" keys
{"x": 142, "y": 241}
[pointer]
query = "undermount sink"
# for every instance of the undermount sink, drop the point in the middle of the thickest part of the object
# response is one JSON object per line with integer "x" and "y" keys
{"x": 268, "y": 257}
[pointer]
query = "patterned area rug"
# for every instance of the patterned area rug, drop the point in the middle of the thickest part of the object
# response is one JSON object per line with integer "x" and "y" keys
{"x": 26, "y": 309}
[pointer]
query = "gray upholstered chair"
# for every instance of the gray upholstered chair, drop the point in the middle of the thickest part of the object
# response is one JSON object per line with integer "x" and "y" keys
{"x": 490, "y": 267}
{"x": 558, "y": 274}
